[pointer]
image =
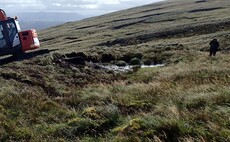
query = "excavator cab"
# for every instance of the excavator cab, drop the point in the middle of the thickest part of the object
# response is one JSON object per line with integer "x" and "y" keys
{"x": 12, "y": 39}
{"x": 9, "y": 38}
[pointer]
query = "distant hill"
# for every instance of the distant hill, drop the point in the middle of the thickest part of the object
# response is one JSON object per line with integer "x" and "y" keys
{"x": 39, "y": 25}
{"x": 43, "y": 20}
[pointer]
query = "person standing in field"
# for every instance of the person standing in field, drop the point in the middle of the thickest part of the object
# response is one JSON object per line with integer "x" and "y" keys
{"x": 214, "y": 45}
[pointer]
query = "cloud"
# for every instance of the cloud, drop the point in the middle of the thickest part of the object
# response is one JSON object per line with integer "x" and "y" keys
{"x": 92, "y": 7}
{"x": 22, "y": 5}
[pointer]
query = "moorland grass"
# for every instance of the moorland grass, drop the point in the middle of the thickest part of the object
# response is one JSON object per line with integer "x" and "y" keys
{"x": 46, "y": 99}
{"x": 181, "y": 101}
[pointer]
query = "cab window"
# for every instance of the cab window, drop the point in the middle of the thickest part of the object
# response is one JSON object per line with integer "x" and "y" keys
{"x": 2, "y": 39}
{"x": 1, "y": 32}
{"x": 12, "y": 31}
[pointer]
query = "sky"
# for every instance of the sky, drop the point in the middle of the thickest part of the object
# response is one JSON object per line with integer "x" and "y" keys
{"x": 83, "y": 7}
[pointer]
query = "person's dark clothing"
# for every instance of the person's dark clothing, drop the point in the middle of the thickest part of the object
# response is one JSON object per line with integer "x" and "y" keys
{"x": 214, "y": 45}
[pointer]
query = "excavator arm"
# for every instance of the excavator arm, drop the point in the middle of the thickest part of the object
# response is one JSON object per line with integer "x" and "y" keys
{"x": 2, "y": 15}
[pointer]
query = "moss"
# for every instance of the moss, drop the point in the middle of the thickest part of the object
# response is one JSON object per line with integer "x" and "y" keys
{"x": 80, "y": 126}
{"x": 139, "y": 104}
{"x": 135, "y": 61}
{"x": 132, "y": 127}
{"x": 121, "y": 63}
{"x": 196, "y": 104}
{"x": 49, "y": 105}
{"x": 133, "y": 106}
{"x": 225, "y": 134}
{"x": 80, "y": 122}
{"x": 22, "y": 134}
{"x": 128, "y": 56}
{"x": 91, "y": 112}
{"x": 127, "y": 139}
{"x": 134, "y": 124}
{"x": 86, "y": 126}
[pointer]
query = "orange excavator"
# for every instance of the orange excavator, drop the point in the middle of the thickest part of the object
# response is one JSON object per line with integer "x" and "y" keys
{"x": 12, "y": 39}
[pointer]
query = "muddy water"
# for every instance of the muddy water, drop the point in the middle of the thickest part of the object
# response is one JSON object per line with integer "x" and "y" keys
{"x": 129, "y": 68}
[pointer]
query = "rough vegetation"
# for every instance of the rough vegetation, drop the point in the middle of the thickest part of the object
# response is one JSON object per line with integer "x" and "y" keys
{"x": 66, "y": 94}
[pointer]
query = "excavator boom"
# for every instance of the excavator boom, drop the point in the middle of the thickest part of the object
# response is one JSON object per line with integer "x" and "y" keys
{"x": 2, "y": 15}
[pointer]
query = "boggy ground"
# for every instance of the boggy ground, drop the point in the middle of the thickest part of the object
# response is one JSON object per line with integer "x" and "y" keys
{"x": 64, "y": 95}
{"x": 59, "y": 100}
